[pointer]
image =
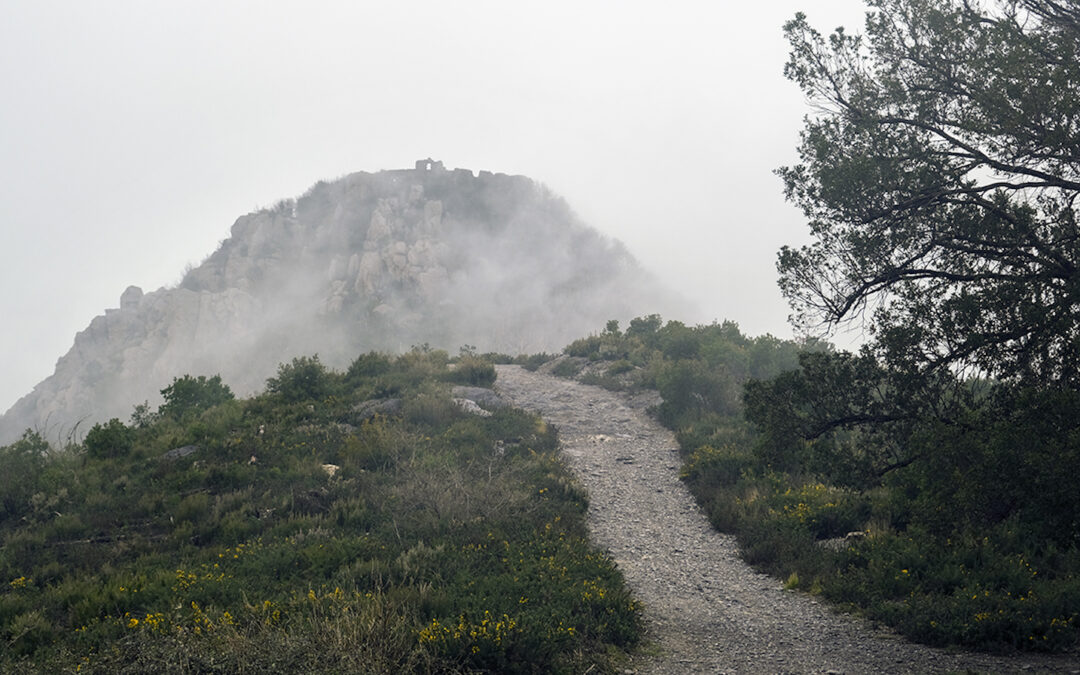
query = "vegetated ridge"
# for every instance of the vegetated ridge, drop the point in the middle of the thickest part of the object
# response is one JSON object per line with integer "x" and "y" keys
{"x": 398, "y": 517}
{"x": 371, "y": 261}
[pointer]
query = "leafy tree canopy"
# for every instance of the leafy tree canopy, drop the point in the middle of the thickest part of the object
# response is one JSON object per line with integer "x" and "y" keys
{"x": 20, "y": 466}
{"x": 193, "y": 394}
{"x": 111, "y": 439}
{"x": 304, "y": 379}
{"x": 940, "y": 174}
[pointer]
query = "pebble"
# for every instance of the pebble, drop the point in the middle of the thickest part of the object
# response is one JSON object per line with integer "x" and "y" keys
{"x": 707, "y": 610}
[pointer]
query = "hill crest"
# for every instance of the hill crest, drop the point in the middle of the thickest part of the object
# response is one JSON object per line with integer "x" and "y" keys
{"x": 371, "y": 261}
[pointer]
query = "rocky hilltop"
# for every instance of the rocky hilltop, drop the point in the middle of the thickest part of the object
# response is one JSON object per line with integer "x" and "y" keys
{"x": 372, "y": 261}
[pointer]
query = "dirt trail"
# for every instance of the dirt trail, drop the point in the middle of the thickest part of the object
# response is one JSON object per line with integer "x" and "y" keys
{"x": 706, "y": 609}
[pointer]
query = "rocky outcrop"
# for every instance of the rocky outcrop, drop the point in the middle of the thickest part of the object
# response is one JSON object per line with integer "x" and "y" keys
{"x": 372, "y": 261}
{"x": 487, "y": 398}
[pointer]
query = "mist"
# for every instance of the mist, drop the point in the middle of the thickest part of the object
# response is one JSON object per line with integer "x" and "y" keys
{"x": 133, "y": 135}
{"x": 422, "y": 258}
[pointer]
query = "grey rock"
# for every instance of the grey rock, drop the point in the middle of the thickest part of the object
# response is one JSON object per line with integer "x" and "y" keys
{"x": 470, "y": 407}
{"x": 130, "y": 298}
{"x": 705, "y": 609}
{"x": 372, "y": 261}
{"x": 486, "y": 398}
{"x": 177, "y": 453}
{"x": 378, "y": 406}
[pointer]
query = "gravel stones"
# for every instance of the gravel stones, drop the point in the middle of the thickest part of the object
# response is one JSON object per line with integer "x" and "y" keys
{"x": 705, "y": 608}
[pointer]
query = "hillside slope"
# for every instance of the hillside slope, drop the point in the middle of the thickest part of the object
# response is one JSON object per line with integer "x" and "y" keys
{"x": 378, "y": 261}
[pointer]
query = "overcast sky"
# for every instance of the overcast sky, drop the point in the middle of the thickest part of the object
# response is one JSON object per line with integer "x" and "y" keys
{"x": 133, "y": 134}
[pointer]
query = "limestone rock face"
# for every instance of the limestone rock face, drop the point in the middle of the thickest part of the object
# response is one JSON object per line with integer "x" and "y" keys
{"x": 372, "y": 261}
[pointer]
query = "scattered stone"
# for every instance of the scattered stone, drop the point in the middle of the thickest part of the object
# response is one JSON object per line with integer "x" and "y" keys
{"x": 470, "y": 407}
{"x": 486, "y": 398}
{"x": 377, "y": 406}
{"x": 705, "y": 609}
{"x": 183, "y": 451}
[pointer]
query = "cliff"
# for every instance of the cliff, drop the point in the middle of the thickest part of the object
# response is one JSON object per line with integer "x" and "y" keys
{"x": 372, "y": 261}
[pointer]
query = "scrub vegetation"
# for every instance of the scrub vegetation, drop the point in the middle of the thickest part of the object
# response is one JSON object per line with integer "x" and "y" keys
{"x": 298, "y": 532}
{"x": 960, "y": 530}
{"x": 364, "y": 521}
{"x": 926, "y": 480}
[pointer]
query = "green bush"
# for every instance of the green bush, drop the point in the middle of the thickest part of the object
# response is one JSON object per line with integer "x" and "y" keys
{"x": 372, "y": 364}
{"x": 303, "y": 379}
{"x": 189, "y": 395}
{"x": 21, "y": 464}
{"x": 534, "y": 361}
{"x": 112, "y": 439}
{"x": 290, "y": 540}
{"x": 566, "y": 368}
{"x": 969, "y": 534}
{"x": 473, "y": 371}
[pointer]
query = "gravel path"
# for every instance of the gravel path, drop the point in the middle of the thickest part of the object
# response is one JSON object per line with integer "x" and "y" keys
{"x": 706, "y": 609}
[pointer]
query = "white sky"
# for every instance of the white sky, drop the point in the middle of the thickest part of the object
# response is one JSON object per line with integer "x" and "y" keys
{"x": 133, "y": 133}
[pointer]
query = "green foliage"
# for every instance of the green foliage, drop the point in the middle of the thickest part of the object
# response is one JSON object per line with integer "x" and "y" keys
{"x": 472, "y": 370}
{"x": 942, "y": 207}
{"x": 21, "y": 464}
{"x": 938, "y": 176}
{"x": 691, "y": 392}
{"x": 532, "y": 362}
{"x": 111, "y": 439}
{"x": 644, "y": 326}
{"x": 291, "y": 540}
{"x": 566, "y": 368}
{"x": 1005, "y": 460}
{"x": 843, "y": 415}
{"x": 909, "y": 498}
{"x": 372, "y": 364}
{"x": 304, "y": 379}
{"x": 702, "y": 366}
{"x": 188, "y": 395}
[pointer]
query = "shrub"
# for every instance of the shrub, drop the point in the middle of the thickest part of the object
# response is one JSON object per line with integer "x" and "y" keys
{"x": 217, "y": 562}
{"x": 112, "y": 439}
{"x": 619, "y": 367}
{"x": 30, "y": 631}
{"x": 189, "y": 395}
{"x": 472, "y": 370}
{"x": 534, "y": 361}
{"x": 566, "y": 368}
{"x": 304, "y": 379}
{"x": 367, "y": 365}
{"x": 21, "y": 464}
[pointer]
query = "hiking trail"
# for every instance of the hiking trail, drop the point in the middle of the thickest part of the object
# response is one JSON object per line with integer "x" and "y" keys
{"x": 705, "y": 609}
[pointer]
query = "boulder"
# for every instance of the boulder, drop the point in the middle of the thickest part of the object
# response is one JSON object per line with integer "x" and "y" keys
{"x": 486, "y": 398}
{"x": 129, "y": 299}
{"x": 177, "y": 453}
{"x": 470, "y": 407}
{"x": 377, "y": 406}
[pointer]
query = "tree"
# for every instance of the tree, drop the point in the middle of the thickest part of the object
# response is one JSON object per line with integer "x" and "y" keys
{"x": 192, "y": 395}
{"x": 21, "y": 464}
{"x": 304, "y": 379}
{"x": 940, "y": 174}
{"x": 841, "y": 416}
{"x": 111, "y": 439}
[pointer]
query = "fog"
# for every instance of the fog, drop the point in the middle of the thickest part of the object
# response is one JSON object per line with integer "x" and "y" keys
{"x": 132, "y": 135}
{"x": 424, "y": 258}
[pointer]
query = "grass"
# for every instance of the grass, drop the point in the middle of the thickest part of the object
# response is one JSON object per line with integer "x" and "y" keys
{"x": 925, "y": 550}
{"x": 441, "y": 542}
